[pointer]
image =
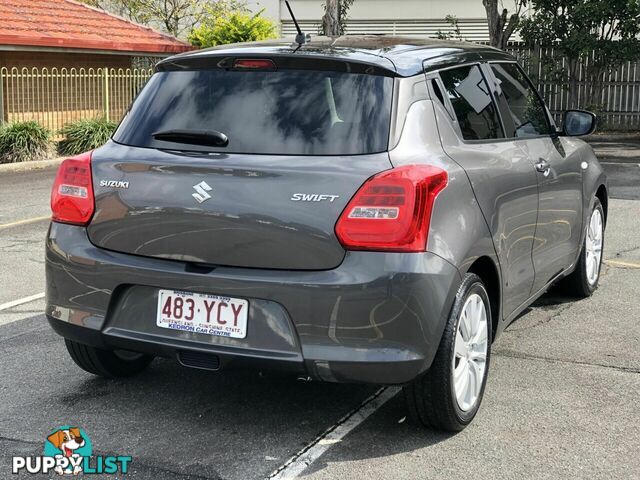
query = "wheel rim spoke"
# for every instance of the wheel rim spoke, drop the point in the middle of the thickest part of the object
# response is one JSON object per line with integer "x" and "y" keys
{"x": 460, "y": 346}
{"x": 464, "y": 327}
{"x": 461, "y": 379}
{"x": 459, "y": 372}
{"x": 474, "y": 381}
{"x": 465, "y": 381}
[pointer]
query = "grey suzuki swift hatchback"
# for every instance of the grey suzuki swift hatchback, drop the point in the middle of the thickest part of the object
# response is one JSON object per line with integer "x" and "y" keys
{"x": 360, "y": 209}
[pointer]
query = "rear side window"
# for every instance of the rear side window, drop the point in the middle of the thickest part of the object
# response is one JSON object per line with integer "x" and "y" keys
{"x": 265, "y": 112}
{"x": 527, "y": 111}
{"x": 469, "y": 95}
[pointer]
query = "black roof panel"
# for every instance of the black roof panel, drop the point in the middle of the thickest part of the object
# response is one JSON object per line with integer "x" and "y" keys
{"x": 400, "y": 56}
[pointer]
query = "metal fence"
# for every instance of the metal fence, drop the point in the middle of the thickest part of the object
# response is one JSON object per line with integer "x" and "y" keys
{"x": 618, "y": 104}
{"x": 473, "y": 30}
{"x": 55, "y": 97}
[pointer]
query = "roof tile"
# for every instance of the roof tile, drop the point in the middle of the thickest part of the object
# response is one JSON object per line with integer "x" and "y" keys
{"x": 69, "y": 24}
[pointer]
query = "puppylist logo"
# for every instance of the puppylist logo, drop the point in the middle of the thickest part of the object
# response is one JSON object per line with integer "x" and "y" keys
{"x": 68, "y": 451}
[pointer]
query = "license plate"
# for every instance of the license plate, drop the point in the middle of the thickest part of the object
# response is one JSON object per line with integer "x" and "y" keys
{"x": 202, "y": 313}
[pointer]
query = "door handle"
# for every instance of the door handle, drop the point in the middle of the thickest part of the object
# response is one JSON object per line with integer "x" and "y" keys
{"x": 543, "y": 167}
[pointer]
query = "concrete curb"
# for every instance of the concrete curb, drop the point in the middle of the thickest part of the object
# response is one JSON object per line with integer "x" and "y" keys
{"x": 28, "y": 166}
{"x": 613, "y": 137}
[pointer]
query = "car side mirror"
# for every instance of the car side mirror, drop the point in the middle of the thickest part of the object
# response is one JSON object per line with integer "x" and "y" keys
{"x": 577, "y": 123}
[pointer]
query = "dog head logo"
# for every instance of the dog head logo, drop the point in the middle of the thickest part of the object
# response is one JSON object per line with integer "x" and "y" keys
{"x": 68, "y": 451}
{"x": 69, "y": 443}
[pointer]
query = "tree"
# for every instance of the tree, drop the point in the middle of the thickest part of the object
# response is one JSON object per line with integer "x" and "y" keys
{"x": 335, "y": 17}
{"x": 176, "y": 17}
{"x": 454, "y": 33}
{"x": 598, "y": 34}
{"x": 501, "y": 24}
{"x": 232, "y": 27}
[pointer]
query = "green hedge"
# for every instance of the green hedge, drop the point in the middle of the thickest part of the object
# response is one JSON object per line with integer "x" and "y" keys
{"x": 24, "y": 142}
{"x": 232, "y": 27}
{"x": 85, "y": 135}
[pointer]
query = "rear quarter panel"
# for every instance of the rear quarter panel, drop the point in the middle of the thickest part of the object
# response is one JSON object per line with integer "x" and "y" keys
{"x": 593, "y": 177}
{"x": 458, "y": 232}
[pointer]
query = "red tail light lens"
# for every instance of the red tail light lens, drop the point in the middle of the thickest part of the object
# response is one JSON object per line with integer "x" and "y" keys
{"x": 72, "y": 194}
{"x": 254, "y": 64}
{"x": 392, "y": 210}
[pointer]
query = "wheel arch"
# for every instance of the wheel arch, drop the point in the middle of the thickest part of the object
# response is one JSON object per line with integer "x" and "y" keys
{"x": 603, "y": 196}
{"x": 488, "y": 271}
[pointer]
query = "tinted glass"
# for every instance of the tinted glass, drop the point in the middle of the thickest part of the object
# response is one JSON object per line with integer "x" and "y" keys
{"x": 469, "y": 95}
{"x": 527, "y": 111}
{"x": 283, "y": 112}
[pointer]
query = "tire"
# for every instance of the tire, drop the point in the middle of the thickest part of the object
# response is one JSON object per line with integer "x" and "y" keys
{"x": 107, "y": 363}
{"x": 431, "y": 398}
{"x": 582, "y": 282}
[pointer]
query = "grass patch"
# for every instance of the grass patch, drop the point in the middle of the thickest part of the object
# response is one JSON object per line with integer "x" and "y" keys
{"x": 84, "y": 135}
{"x": 24, "y": 142}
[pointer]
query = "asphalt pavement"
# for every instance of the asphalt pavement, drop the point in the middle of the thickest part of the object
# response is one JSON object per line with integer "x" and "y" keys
{"x": 621, "y": 160}
{"x": 560, "y": 402}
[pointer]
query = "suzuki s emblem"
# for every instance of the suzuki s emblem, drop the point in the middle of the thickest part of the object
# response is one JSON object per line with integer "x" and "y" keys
{"x": 201, "y": 194}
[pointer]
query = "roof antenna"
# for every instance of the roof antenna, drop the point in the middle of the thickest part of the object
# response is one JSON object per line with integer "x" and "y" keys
{"x": 301, "y": 38}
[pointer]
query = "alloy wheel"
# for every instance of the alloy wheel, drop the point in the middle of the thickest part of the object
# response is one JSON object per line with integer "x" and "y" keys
{"x": 593, "y": 246}
{"x": 470, "y": 352}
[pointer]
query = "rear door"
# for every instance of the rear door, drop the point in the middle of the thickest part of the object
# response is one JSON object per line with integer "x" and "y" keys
{"x": 502, "y": 177}
{"x": 558, "y": 172}
{"x": 300, "y": 144}
{"x": 236, "y": 210}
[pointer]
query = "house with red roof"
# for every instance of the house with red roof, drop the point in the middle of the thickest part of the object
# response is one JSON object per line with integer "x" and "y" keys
{"x": 61, "y": 60}
{"x": 66, "y": 33}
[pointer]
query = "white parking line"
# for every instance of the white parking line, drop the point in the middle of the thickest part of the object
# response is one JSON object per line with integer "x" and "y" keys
{"x": 618, "y": 163}
{"x": 305, "y": 457}
{"x": 21, "y": 301}
{"x": 24, "y": 222}
{"x": 617, "y": 263}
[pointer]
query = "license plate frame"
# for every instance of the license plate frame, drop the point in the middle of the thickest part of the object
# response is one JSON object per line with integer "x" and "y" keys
{"x": 204, "y": 313}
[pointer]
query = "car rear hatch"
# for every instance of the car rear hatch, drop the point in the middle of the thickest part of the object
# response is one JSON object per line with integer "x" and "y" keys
{"x": 241, "y": 166}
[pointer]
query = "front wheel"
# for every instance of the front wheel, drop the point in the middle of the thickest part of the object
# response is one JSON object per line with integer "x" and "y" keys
{"x": 107, "y": 363}
{"x": 584, "y": 279}
{"x": 448, "y": 395}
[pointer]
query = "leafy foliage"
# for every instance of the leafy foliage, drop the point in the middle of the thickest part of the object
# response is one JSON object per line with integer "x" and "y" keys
{"x": 176, "y": 17}
{"x": 24, "y": 141}
{"x": 84, "y": 135}
{"x": 232, "y": 27}
{"x": 601, "y": 34}
{"x": 454, "y": 33}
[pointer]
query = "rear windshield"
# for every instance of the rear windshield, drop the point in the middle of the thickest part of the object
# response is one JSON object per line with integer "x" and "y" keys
{"x": 285, "y": 112}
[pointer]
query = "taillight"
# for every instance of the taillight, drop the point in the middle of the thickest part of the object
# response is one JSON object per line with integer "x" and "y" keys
{"x": 254, "y": 64}
{"x": 72, "y": 194}
{"x": 392, "y": 210}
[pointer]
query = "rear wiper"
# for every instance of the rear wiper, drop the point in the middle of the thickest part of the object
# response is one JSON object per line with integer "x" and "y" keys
{"x": 210, "y": 138}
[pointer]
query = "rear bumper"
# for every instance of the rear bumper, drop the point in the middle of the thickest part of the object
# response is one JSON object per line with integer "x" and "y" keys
{"x": 377, "y": 318}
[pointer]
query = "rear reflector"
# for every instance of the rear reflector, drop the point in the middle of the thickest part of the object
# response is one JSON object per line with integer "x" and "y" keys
{"x": 254, "y": 64}
{"x": 392, "y": 210}
{"x": 72, "y": 193}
